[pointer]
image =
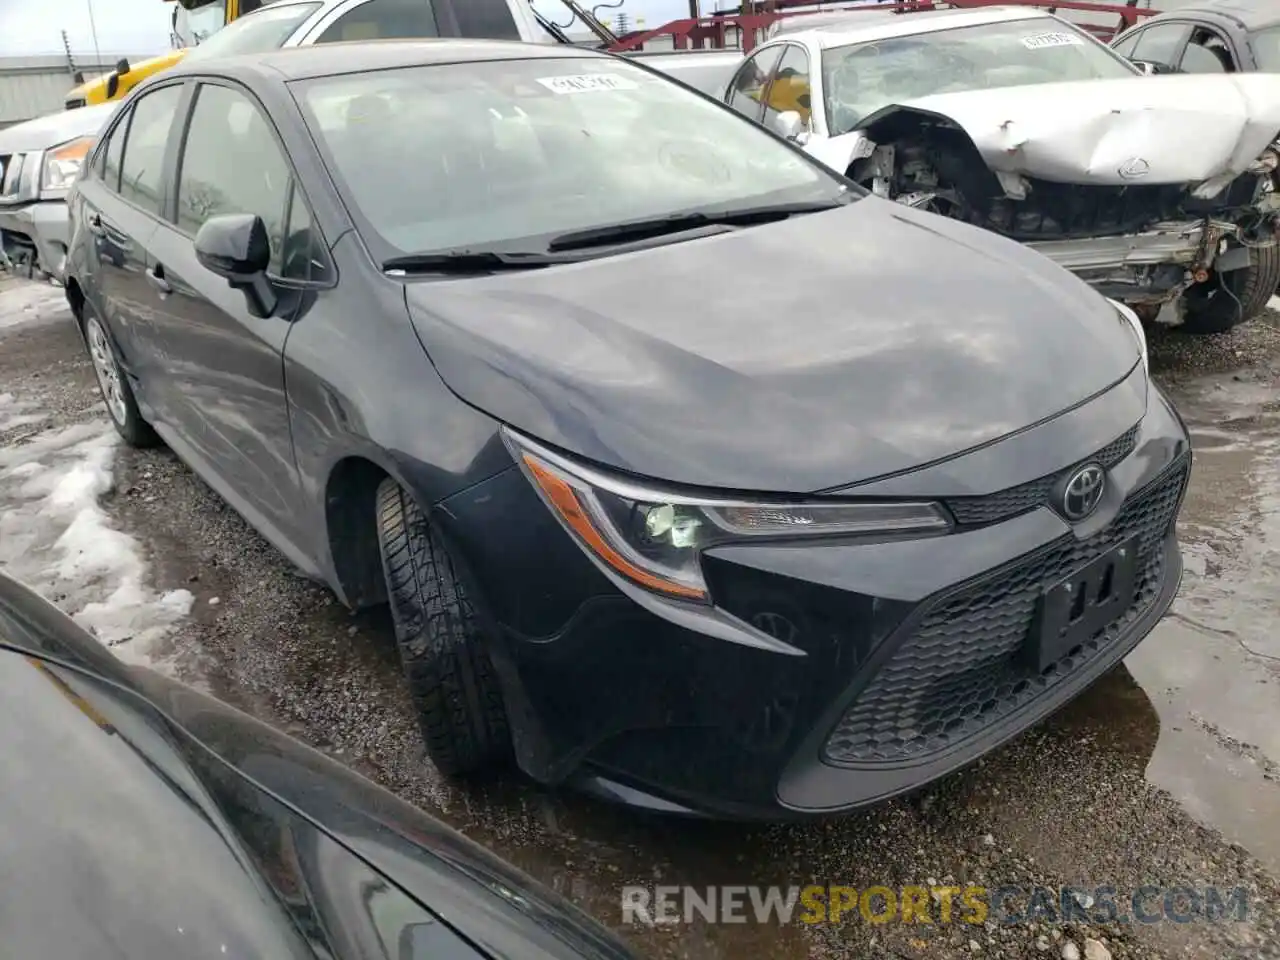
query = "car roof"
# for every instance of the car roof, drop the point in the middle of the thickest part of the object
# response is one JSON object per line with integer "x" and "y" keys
{"x": 363, "y": 56}
{"x": 1253, "y": 14}
{"x": 861, "y": 27}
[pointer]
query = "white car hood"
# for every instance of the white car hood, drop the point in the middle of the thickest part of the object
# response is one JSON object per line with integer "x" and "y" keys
{"x": 1161, "y": 129}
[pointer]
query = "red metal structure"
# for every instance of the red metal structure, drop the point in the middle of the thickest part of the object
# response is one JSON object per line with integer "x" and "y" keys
{"x": 743, "y": 29}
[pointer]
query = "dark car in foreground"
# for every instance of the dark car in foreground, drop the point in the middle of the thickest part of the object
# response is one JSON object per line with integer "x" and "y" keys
{"x": 144, "y": 820}
{"x": 693, "y": 475}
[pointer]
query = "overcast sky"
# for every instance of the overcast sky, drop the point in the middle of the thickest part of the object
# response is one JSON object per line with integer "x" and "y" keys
{"x": 142, "y": 26}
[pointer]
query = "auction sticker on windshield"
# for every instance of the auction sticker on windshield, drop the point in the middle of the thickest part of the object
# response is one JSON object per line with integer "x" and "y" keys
{"x": 588, "y": 83}
{"x": 1040, "y": 40}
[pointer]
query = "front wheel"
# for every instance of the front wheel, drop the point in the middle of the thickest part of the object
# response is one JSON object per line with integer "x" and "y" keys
{"x": 1229, "y": 299}
{"x": 438, "y": 633}
{"x": 116, "y": 392}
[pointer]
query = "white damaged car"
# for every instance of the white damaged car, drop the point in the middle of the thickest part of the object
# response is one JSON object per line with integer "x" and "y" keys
{"x": 1155, "y": 190}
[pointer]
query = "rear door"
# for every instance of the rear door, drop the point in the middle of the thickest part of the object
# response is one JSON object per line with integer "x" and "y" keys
{"x": 121, "y": 208}
{"x": 225, "y": 368}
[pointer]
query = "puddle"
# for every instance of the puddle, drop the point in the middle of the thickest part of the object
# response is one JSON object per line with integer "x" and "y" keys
{"x": 1212, "y": 668}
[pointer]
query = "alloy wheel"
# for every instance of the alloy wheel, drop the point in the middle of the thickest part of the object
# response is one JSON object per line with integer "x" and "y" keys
{"x": 107, "y": 370}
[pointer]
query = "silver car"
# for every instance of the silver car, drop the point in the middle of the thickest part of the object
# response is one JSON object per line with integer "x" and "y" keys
{"x": 1156, "y": 190}
{"x": 39, "y": 160}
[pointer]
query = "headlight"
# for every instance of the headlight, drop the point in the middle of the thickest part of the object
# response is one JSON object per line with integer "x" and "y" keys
{"x": 1135, "y": 324}
{"x": 655, "y": 538}
{"x": 62, "y": 163}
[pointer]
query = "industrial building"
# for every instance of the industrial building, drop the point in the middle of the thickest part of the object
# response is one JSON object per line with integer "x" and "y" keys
{"x": 33, "y": 86}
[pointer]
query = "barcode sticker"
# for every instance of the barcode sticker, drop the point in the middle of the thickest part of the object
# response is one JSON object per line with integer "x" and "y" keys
{"x": 588, "y": 83}
{"x": 1041, "y": 40}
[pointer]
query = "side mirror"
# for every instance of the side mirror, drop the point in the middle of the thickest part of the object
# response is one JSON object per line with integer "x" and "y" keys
{"x": 790, "y": 126}
{"x": 1151, "y": 68}
{"x": 122, "y": 66}
{"x": 236, "y": 247}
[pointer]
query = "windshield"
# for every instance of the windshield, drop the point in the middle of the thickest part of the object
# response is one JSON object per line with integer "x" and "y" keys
{"x": 192, "y": 27}
{"x": 257, "y": 32}
{"x": 861, "y": 78}
{"x": 1266, "y": 49}
{"x": 500, "y": 153}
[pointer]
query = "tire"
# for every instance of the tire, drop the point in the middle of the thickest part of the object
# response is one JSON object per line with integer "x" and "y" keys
{"x": 1212, "y": 308}
{"x": 438, "y": 633}
{"x": 117, "y": 395}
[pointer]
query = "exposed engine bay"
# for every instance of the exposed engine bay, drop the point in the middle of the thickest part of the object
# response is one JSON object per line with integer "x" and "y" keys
{"x": 1139, "y": 242}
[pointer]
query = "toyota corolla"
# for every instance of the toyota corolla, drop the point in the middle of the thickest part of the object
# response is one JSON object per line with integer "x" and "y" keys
{"x": 685, "y": 481}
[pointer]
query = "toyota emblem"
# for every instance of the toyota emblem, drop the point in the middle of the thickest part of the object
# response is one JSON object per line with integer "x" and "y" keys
{"x": 1083, "y": 492}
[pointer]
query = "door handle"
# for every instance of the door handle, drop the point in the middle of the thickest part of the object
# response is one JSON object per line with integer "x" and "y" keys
{"x": 155, "y": 277}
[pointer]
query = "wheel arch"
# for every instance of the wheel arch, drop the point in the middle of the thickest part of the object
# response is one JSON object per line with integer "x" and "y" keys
{"x": 76, "y": 299}
{"x": 350, "y": 513}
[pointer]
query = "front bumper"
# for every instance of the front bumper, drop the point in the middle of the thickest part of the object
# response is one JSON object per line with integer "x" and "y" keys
{"x": 1150, "y": 267}
{"x": 889, "y": 664}
{"x": 41, "y": 228}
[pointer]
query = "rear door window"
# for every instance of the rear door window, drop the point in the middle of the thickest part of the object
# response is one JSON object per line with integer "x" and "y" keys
{"x": 1207, "y": 52}
{"x": 142, "y": 167}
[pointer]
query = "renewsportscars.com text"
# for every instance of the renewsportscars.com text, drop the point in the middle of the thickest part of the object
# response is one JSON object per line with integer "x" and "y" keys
{"x": 812, "y": 904}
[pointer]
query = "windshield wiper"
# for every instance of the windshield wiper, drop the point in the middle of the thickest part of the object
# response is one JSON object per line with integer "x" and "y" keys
{"x": 636, "y": 230}
{"x": 468, "y": 261}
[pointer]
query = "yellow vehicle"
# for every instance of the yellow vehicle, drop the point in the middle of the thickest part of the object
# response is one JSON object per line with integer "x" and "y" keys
{"x": 192, "y": 21}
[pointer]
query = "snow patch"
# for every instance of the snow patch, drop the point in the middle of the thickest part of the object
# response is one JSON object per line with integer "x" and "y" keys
{"x": 12, "y": 419}
{"x": 55, "y": 537}
{"x": 30, "y": 302}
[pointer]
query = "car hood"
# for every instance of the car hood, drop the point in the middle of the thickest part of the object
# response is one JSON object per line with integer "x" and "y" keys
{"x": 49, "y": 131}
{"x": 1137, "y": 130}
{"x": 147, "y": 819}
{"x": 797, "y": 356}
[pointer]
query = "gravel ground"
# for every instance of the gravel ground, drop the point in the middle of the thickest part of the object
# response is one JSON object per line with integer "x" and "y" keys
{"x": 1071, "y": 802}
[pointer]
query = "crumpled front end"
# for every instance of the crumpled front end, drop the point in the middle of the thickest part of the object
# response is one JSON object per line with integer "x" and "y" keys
{"x": 1138, "y": 193}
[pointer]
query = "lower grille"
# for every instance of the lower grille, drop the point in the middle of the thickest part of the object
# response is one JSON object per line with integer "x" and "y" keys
{"x": 1059, "y": 211}
{"x": 960, "y": 671}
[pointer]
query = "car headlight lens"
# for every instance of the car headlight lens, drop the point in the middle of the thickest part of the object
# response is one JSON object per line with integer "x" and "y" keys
{"x": 655, "y": 538}
{"x": 61, "y": 164}
{"x": 1127, "y": 314}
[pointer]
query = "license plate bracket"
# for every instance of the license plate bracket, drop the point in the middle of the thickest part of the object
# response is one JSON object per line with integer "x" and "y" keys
{"x": 1079, "y": 605}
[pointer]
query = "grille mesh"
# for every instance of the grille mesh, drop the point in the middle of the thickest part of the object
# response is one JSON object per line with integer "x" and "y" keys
{"x": 960, "y": 672}
{"x": 1004, "y": 504}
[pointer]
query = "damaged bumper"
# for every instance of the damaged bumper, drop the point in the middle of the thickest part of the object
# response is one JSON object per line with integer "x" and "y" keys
{"x": 1155, "y": 265}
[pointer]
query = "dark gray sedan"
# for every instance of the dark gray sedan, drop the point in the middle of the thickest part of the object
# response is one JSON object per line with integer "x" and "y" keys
{"x": 693, "y": 475}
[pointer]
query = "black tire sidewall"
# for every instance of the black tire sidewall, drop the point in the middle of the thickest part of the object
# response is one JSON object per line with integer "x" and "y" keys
{"x": 1223, "y": 312}
{"x": 451, "y": 679}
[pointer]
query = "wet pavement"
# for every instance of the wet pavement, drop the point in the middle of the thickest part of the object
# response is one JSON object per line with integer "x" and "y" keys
{"x": 1167, "y": 772}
